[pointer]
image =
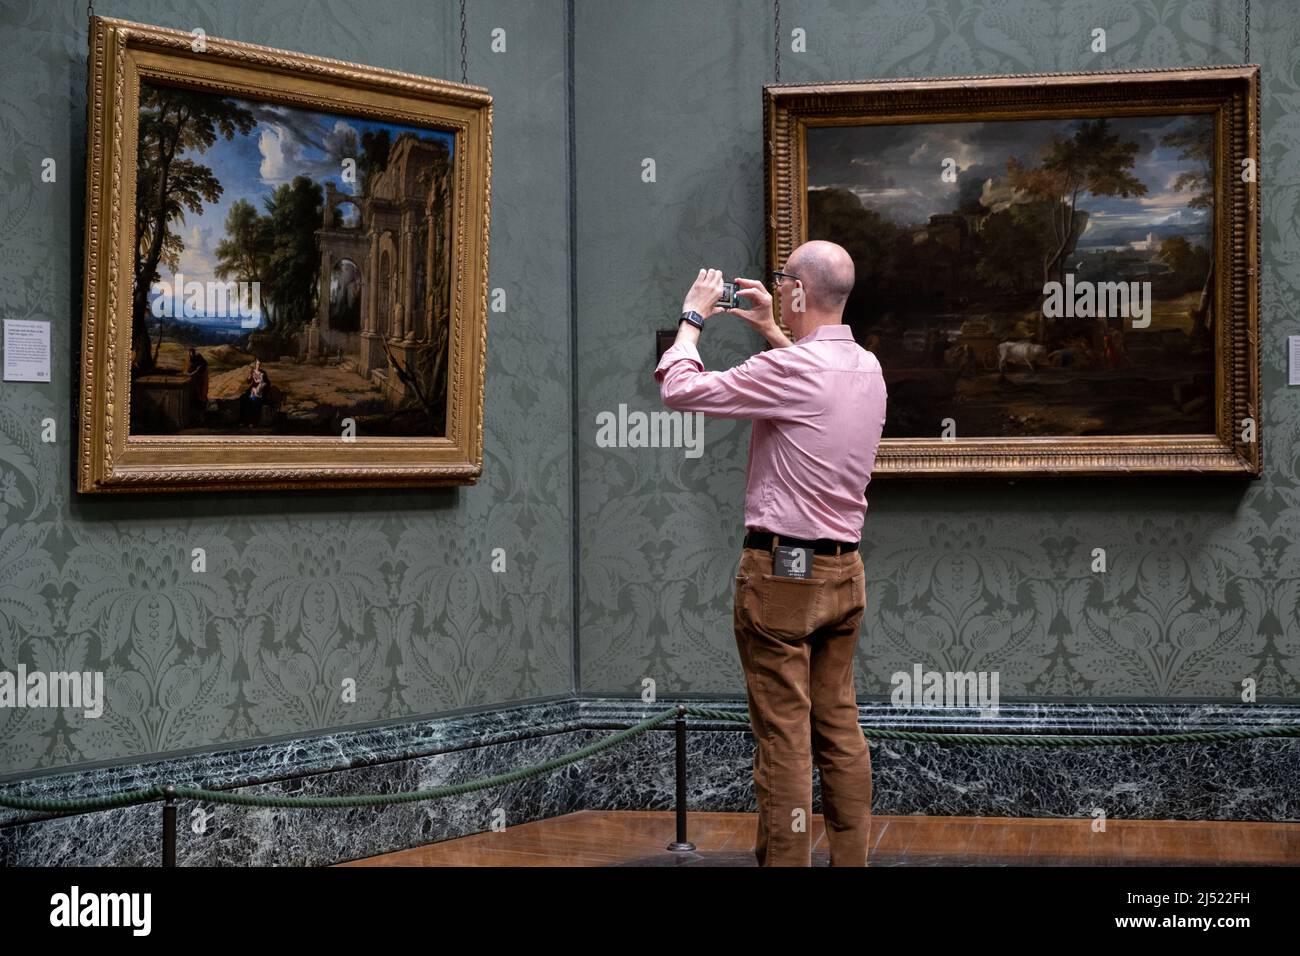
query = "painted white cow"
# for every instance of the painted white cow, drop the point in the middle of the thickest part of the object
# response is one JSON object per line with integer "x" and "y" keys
{"x": 1027, "y": 352}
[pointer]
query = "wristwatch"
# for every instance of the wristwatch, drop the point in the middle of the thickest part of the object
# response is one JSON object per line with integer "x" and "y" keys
{"x": 692, "y": 317}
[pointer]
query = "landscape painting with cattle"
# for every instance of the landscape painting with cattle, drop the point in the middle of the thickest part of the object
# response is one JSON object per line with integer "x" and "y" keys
{"x": 1022, "y": 278}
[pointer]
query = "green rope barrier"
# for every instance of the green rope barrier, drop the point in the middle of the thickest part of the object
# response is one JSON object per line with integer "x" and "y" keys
{"x": 81, "y": 804}
{"x": 379, "y": 799}
{"x": 150, "y": 794}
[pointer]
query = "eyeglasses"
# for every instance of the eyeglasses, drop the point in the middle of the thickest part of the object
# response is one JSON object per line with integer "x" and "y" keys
{"x": 778, "y": 275}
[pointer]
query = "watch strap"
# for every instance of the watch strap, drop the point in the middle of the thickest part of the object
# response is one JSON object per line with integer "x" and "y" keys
{"x": 692, "y": 317}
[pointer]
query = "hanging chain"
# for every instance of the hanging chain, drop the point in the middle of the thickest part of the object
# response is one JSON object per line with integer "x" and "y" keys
{"x": 1245, "y": 45}
{"x": 464, "y": 69}
{"x": 776, "y": 36}
{"x": 90, "y": 10}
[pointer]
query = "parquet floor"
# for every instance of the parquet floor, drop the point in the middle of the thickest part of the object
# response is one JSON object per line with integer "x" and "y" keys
{"x": 638, "y": 838}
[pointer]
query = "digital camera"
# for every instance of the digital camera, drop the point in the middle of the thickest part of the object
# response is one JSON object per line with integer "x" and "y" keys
{"x": 731, "y": 297}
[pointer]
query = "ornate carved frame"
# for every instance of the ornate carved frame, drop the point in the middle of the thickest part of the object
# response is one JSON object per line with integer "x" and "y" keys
{"x": 1229, "y": 93}
{"x": 110, "y": 460}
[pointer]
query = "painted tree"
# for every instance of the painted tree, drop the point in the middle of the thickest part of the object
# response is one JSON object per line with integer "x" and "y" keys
{"x": 871, "y": 239}
{"x": 293, "y": 214}
{"x": 174, "y": 124}
{"x": 278, "y": 251}
{"x": 375, "y": 146}
{"x": 1188, "y": 262}
{"x": 244, "y": 255}
{"x": 1011, "y": 239}
{"x": 1094, "y": 160}
{"x": 1194, "y": 141}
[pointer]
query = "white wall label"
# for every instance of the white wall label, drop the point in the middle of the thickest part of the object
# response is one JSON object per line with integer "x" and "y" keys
{"x": 27, "y": 351}
{"x": 1293, "y": 352}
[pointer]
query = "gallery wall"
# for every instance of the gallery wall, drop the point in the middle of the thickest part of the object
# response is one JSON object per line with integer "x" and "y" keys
{"x": 398, "y": 585}
{"x": 1203, "y": 577}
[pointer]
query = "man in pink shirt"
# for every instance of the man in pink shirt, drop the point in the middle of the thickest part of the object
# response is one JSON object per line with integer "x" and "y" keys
{"x": 818, "y": 408}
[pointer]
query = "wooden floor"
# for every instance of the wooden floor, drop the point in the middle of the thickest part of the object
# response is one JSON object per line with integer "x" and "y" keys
{"x": 637, "y": 838}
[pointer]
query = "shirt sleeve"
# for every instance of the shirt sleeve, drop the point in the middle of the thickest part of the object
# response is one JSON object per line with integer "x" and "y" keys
{"x": 753, "y": 389}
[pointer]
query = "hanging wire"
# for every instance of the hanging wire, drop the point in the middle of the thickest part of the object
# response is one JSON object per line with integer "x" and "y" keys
{"x": 776, "y": 36}
{"x": 464, "y": 68}
{"x": 90, "y": 10}
{"x": 1245, "y": 45}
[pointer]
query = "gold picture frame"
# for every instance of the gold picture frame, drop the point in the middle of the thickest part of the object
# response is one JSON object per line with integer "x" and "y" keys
{"x": 1229, "y": 94}
{"x": 123, "y": 57}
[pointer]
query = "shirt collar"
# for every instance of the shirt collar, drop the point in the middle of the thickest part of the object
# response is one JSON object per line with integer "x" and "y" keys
{"x": 837, "y": 330}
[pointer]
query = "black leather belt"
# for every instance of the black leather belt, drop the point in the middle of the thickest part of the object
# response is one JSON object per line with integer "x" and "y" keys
{"x": 763, "y": 540}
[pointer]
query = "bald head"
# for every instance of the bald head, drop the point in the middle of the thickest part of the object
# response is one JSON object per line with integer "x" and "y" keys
{"x": 827, "y": 273}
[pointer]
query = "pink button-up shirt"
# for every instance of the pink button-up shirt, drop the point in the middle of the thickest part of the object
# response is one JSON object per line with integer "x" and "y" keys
{"x": 818, "y": 407}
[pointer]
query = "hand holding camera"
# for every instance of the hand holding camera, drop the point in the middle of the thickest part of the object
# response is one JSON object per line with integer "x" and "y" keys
{"x": 758, "y": 315}
{"x": 704, "y": 295}
{"x": 710, "y": 294}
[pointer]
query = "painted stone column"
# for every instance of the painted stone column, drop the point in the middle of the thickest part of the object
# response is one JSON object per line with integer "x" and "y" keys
{"x": 407, "y": 284}
{"x": 372, "y": 350}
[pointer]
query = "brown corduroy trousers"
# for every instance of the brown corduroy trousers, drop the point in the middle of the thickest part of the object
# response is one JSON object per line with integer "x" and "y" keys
{"x": 796, "y": 639}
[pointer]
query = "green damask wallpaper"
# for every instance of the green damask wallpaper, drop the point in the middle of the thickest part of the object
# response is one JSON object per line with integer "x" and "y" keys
{"x": 1204, "y": 578}
{"x": 395, "y": 590}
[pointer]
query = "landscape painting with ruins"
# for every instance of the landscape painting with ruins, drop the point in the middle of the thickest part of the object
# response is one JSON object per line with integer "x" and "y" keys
{"x": 292, "y": 271}
{"x": 1025, "y": 278}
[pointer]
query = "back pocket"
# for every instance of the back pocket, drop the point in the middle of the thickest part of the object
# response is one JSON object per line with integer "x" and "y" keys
{"x": 792, "y": 607}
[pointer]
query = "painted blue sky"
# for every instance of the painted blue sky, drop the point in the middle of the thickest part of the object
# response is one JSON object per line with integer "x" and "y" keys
{"x": 895, "y": 171}
{"x": 286, "y": 142}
